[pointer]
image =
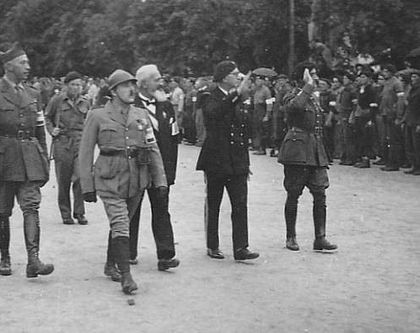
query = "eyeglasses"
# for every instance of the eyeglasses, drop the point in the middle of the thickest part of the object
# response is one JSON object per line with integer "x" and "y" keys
{"x": 235, "y": 73}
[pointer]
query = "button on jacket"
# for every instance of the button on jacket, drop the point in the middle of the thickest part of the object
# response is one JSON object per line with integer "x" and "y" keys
{"x": 23, "y": 150}
{"x": 225, "y": 148}
{"x": 116, "y": 172}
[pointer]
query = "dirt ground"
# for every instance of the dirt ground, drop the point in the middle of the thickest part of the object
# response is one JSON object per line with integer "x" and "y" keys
{"x": 370, "y": 285}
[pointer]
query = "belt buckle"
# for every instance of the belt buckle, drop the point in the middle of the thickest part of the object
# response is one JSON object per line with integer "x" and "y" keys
{"x": 20, "y": 134}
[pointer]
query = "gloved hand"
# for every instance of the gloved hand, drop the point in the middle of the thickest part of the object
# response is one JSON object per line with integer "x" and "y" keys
{"x": 89, "y": 197}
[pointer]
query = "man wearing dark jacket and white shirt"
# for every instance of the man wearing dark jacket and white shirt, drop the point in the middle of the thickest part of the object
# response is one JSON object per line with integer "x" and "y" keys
{"x": 165, "y": 129}
{"x": 224, "y": 159}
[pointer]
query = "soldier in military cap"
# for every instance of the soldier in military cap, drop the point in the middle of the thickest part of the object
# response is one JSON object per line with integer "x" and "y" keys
{"x": 65, "y": 115}
{"x": 129, "y": 161}
{"x": 23, "y": 159}
{"x": 304, "y": 158}
{"x": 224, "y": 158}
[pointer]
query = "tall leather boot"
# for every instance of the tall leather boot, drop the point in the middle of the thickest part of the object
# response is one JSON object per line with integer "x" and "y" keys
{"x": 121, "y": 252}
{"x": 290, "y": 214}
{"x": 5, "y": 265}
{"x": 110, "y": 268}
{"x": 35, "y": 266}
{"x": 320, "y": 217}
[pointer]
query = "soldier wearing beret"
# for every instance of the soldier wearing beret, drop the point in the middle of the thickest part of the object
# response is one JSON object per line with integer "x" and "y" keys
{"x": 305, "y": 159}
{"x": 64, "y": 116}
{"x": 129, "y": 161}
{"x": 224, "y": 158}
{"x": 23, "y": 159}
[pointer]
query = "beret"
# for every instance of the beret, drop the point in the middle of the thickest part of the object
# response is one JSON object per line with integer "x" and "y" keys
{"x": 222, "y": 69}
{"x": 72, "y": 76}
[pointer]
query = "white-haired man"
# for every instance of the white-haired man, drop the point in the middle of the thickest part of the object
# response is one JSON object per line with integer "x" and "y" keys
{"x": 162, "y": 116}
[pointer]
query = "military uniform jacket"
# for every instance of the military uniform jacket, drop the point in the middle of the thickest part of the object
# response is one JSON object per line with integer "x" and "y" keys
{"x": 72, "y": 115}
{"x": 225, "y": 148}
{"x": 412, "y": 116}
{"x": 167, "y": 143}
{"x": 118, "y": 173}
{"x": 303, "y": 143}
{"x": 23, "y": 150}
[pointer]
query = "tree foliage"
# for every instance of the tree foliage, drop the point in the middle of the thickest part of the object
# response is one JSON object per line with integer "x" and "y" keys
{"x": 184, "y": 36}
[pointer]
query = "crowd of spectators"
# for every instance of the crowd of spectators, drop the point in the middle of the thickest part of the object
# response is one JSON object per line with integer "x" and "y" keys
{"x": 370, "y": 116}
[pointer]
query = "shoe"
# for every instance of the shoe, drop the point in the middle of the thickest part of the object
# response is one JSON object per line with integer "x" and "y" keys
{"x": 409, "y": 172}
{"x": 364, "y": 164}
{"x": 388, "y": 168}
{"x": 5, "y": 266}
{"x": 416, "y": 172}
{"x": 259, "y": 152}
{"x": 347, "y": 163}
{"x": 128, "y": 284}
{"x": 321, "y": 244}
{"x": 68, "y": 220}
{"x": 165, "y": 264}
{"x": 111, "y": 270}
{"x": 245, "y": 254}
{"x": 291, "y": 244}
{"x": 381, "y": 161}
{"x": 215, "y": 254}
{"x": 273, "y": 153}
{"x": 81, "y": 219}
{"x": 36, "y": 267}
{"x": 133, "y": 261}
{"x": 406, "y": 166}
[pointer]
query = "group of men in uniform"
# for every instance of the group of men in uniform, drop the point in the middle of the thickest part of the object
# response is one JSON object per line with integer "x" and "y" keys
{"x": 136, "y": 133}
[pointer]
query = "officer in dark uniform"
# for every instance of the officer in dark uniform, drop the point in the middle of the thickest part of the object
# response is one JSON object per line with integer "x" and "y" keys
{"x": 23, "y": 159}
{"x": 224, "y": 159}
{"x": 129, "y": 161}
{"x": 304, "y": 158}
{"x": 65, "y": 115}
{"x": 162, "y": 117}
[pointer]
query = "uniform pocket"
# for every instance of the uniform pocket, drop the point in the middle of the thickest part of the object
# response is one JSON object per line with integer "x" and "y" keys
{"x": 293, "y": 148}
{"x": 107, "y": 167}
{"x": 108, "y": 134}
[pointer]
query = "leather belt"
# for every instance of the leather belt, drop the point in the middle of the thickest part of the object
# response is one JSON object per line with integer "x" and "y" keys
{"x": 129, "y": 153}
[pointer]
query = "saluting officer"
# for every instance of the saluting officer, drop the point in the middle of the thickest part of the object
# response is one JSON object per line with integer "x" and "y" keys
{"x": 129, "y": 161}
{"x": 224, "y": 159}
{"x": 304, "y": 158}
{"x": 23, "y": 159}
{"x": 65, "y": 115}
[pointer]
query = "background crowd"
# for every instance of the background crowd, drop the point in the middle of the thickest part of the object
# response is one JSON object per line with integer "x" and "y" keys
{"x": 369, "y": 115}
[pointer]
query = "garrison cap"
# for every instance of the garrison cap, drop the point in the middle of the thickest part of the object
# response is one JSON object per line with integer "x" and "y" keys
{"x": 14, "y": 52}
{"x": 120, "y": 76}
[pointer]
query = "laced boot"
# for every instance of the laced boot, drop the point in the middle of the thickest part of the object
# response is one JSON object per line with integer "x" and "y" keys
{"x": 290, "y": 214}
{"x": 320, "y": 215}
{"x": 121, "y": 251}
{"x": 35, "y": 266}
{"x": 110, "y": 268}
{"x": 5, "y": 266}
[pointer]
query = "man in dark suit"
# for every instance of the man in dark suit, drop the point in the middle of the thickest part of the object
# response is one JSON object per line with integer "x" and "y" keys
{"x": 23, "y": 159}
{"x": 304, "y": 158}
{"x": 162, "y": 117}
{"x": 224, "y": 159}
